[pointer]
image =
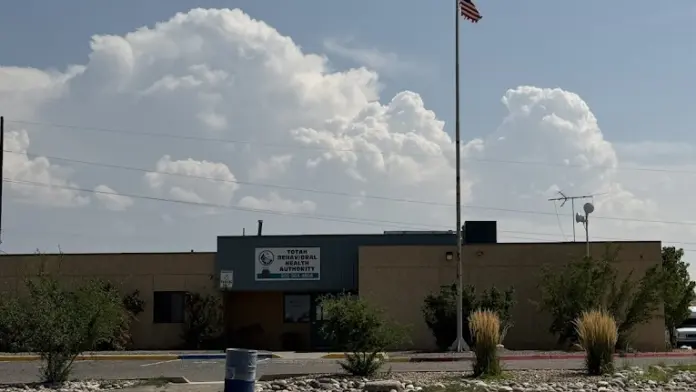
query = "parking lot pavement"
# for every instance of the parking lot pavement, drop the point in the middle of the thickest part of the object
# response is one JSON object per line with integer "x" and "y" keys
{"x": 214, "y": 370}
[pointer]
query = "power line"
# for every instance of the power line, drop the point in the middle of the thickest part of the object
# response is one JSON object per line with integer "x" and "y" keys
{"x": 316, "y": 148}
{"x": 250, "y": 183}
{"x": 138, "y": 237}
{"x": 360, "y": 221}
{"x": 343, "y": 194}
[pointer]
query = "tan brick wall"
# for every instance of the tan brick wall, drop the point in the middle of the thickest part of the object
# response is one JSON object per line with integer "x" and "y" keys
{"x": 397, "y": 278}
{"x": 147, "y": 272}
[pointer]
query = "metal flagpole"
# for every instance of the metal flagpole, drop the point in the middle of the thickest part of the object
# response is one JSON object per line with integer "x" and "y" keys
{"x": 459, "y": 344}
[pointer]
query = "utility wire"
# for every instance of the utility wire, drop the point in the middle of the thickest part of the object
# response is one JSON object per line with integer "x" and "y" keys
{"x": 361, "y": 221}
{"x": 136, "y": 237}
{"x": 331, "y": 218}
{"x": 316, "y": 148}
{"x": 344, "y": 194}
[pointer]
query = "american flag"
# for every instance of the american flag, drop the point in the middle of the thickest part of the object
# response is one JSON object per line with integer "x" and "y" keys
{"x": 469, "y": 11}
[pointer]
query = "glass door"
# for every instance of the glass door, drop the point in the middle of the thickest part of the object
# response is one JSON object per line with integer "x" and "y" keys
{"x": 318, "y": 342}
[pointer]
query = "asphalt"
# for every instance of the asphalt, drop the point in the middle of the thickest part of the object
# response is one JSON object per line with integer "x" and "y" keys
{"x": 214, "y": 370}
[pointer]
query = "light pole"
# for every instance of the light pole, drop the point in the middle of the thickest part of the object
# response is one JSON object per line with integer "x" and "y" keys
{"x": 585, "y": 220}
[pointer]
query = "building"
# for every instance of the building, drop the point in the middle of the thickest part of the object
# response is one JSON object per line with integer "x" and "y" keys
{"x": 270, "y": 285}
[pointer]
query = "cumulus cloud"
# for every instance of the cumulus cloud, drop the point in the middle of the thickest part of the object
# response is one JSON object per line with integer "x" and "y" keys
{"x": 257, "y": 112}
{"x": 273, "y": 202}
{"x": 111, "y": 199}
{"x": 193, "y": 181}
{"x": 25, "y": 175}
{"x": 382, "y": 61}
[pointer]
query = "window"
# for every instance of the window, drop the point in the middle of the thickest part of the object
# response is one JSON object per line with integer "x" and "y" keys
{"x": 319, "y": 313}
{"x": 168, "y": 307}
{"x": 297, "y": 308}
{"x": 688, "y": 323}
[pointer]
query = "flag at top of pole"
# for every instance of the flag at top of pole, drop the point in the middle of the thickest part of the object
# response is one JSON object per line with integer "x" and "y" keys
{"x": 468, "y": 10}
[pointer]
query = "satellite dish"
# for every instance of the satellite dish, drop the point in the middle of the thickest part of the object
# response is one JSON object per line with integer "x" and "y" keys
{"x": 579, "y": 218}
{"x": 588, "y": 207}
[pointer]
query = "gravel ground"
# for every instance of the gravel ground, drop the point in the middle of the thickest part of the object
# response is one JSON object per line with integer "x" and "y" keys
{"x": 655, "y": 378}
{"x": 635, "y": 379}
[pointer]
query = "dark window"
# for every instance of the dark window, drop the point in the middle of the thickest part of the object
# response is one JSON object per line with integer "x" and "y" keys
{"x": 168, "y": 307}
{"x": 688, "y": 323}
{"x": 297, "y": 308}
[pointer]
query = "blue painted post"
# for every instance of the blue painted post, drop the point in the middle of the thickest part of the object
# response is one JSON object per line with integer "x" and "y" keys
{"x": 240, "y": 370}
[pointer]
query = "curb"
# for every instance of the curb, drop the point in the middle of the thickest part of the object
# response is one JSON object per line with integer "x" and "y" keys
{"x": 222, "y": 356}
{"x": 526, "y": 357}
{"x": 132, "y": 357}
{"x": 97, "y": 357}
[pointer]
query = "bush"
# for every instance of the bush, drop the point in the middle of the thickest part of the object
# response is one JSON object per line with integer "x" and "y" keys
{"x": 353, "y": 325}
{"x": 593, "y": 284}
{"x": 60, "y": 324}
{"x": 133, "y": 305}
{"x": 203, "y": 321}
{"x": 440, "y": 311}
{"x": 677, "y": 290}
{"x": 484, "y": 327}
{"x": 597, "y": 334}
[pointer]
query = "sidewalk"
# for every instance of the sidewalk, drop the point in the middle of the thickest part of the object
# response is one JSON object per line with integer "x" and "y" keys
{"x": 505, "y": 355}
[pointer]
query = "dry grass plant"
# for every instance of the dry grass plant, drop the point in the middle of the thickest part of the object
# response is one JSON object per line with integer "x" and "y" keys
{"x": 598, "y": 333}
{"x": 484, "y": 326}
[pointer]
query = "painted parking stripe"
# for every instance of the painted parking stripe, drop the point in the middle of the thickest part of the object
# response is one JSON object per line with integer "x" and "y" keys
{"x": 159, "y": 363}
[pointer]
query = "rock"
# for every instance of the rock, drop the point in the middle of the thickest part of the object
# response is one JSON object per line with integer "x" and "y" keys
{"x": 383, "y": 386}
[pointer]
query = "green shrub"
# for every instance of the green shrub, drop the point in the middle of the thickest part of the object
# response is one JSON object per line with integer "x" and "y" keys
{"x": 484, "y": 327}
{"x": 588, "y": 284}
{"x": 353, "y": 325}
{"x": 440, "y": 311}
{"x": 133, "y": 305}
{"x": 203, "y": 321}
{"x": 597, "y": 334}
{"x": 60, "y": 323}
{"x": 677, "y": 290}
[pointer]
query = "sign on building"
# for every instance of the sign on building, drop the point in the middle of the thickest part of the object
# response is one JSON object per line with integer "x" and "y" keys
{"x": 273, "y": 264}
{"x": 226, "y": 279}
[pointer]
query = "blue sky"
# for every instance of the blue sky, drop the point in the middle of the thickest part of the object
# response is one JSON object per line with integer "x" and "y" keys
{"x": 631, "y": 61}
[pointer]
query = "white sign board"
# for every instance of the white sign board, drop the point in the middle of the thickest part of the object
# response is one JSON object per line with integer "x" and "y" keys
{"x": 273, "y": 264}
{"x": 226, "y": 279}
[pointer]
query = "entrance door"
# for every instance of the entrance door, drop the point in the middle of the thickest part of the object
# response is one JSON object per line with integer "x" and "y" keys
{"x": 317, "y": 340}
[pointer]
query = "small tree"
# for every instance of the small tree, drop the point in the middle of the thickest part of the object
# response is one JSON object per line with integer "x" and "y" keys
{"x": 440, "y": 311}
{"x": 590, "y": 284}
{"x": 203, "y": 320}
{"x": 133, "y": 305}
{"x": 353, "y": 325}
{"x": 60, "y": 324}
{"x": 677, "y": 290}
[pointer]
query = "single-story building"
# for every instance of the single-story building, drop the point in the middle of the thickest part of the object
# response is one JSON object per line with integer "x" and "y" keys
{"x": 270, "y": 284}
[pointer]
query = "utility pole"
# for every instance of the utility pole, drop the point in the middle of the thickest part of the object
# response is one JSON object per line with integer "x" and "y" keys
{"x": 2, "y": 166}
{"x": 572, "y": 199}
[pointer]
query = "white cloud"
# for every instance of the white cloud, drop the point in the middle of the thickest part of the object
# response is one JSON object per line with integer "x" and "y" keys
{"x": 20, "y": 171}
{"x": 111, "y": 199}
{"x": 273, "y": 202}
{"x": 299, "y": 124}
{"x": 382, "y": 61}
{"x": 193, "y": 181}
{"x": 269, "y": 168}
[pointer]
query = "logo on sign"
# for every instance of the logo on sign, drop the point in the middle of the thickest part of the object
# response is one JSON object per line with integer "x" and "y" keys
{"x": 266, "y": 258}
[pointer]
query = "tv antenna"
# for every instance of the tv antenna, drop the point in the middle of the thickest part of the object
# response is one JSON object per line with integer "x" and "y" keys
{"x": 564, "y": 198}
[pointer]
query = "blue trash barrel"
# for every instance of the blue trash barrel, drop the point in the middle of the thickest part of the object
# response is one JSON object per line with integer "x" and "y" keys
{"x": 240, "y": 370}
